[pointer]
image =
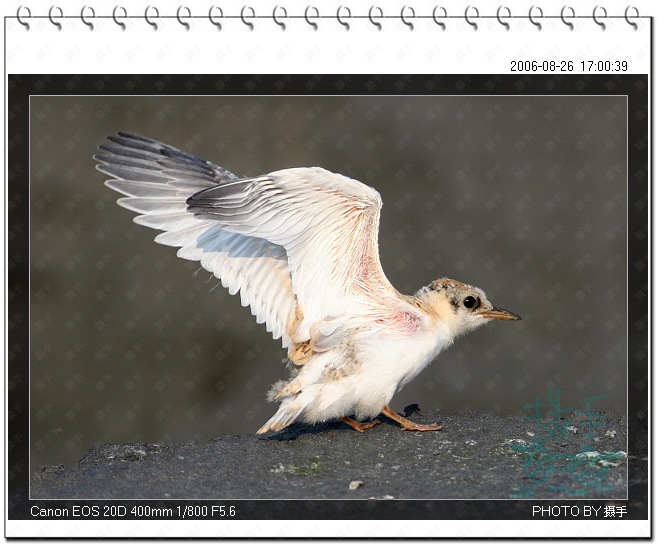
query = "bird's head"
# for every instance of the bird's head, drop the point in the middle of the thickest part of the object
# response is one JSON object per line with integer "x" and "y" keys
{"x": 461, "y": 306}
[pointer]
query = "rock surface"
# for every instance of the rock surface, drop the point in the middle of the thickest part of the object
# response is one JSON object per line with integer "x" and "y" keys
{"x": 475, "y": 456}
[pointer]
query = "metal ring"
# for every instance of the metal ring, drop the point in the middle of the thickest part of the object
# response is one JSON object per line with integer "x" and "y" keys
{"x": 114, "y": 16}
{"x": 468, "y": 19}
{"x": 83, "y": 17}
{"x": 637, "y": 14}
{"x": 147, "y": 17}
{"x": 18, "y": 16}
{"x": 242, "y": 16}
{"x": 339, "y": 17}
{"x": 180, "y": 20}
{"x": 403, "y": 17}
{"x": 308, "y": 20}
{"x": 596, "y": 17}
{"x": 531, "y": 17}
{"x": 50, "y": 16}
{"x": 509, "y": 14}
{"x": 212, "y": 21}
{"x": 564, "y": 20}
{"x": 372, "y": 18}
{"x": 445, "y": 14}
{"x": 275, "y": 16}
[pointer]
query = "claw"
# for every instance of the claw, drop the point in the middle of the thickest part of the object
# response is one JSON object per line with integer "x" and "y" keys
{"x": 406, "y": 424}
{"x": 359, "y": 427}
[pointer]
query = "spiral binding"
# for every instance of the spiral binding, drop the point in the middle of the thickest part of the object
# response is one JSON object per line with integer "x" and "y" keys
{"x": 343, "y": 15}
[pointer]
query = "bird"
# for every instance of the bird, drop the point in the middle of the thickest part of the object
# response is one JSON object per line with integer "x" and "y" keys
{"x": 300, "y": 245}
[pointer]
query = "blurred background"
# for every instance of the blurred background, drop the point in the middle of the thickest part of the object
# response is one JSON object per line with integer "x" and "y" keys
{"x": 524, "y": 197}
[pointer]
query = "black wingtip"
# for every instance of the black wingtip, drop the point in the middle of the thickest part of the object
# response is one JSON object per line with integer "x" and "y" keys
{"x": 135, "y": 136}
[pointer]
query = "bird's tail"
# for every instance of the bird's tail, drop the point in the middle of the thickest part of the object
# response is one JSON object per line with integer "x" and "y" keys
{"x": 287, "y": 413}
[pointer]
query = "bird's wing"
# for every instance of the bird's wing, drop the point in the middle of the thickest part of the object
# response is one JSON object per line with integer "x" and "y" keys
{"x": 328, "y": 225}
{"x": 299, "y": 244}
{"x": 158, "y": 179}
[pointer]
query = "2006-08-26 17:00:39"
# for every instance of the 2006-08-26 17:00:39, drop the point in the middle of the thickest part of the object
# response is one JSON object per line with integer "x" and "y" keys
{"x": 569, "y": 66}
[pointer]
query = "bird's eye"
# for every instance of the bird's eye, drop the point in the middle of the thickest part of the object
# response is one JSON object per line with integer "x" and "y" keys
{"x": 470, "y": 302}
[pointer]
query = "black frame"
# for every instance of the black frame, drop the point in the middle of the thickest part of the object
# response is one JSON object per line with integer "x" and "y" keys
{"x": 635, "y": 87}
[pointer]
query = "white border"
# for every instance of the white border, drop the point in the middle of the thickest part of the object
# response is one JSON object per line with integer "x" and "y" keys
{"x": 332, "y": 49}
{"x": 347, "y": 529}
{"x": 51, "y": 56}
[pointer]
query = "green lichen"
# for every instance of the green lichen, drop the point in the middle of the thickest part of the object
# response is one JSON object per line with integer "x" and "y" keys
{"x": 312, "y": 466}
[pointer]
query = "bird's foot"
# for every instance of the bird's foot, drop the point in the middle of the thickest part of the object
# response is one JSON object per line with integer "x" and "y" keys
{"x": 406, "y": 424}
{"x": 418, "y": 426}
{"x": 359, "y": 427}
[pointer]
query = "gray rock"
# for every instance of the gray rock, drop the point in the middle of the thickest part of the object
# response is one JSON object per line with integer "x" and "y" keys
{"x": 475, "y": 456}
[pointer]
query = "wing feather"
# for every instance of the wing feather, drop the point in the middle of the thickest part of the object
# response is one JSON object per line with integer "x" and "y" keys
{"x": 156, "y": 180}
{"x": 327, "y": 223}
{"x": 297, "y": 243}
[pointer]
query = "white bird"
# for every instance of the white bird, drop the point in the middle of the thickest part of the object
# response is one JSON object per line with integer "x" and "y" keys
{"x": 300, "y": 245}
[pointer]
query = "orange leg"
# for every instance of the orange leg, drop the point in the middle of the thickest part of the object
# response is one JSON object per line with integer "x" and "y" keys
{"x": 406, "y": 424}
{"x": 359, "y": 427}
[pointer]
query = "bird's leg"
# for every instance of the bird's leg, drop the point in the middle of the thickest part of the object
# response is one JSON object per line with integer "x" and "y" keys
{"x": 359, "y": 427}
{"x": 406, "y": 424}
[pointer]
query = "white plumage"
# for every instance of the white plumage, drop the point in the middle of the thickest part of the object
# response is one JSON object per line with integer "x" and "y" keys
{"x": 300, "y": 245}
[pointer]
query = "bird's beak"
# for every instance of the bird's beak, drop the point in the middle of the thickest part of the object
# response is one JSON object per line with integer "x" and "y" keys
{"x": 497, "y": 313}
